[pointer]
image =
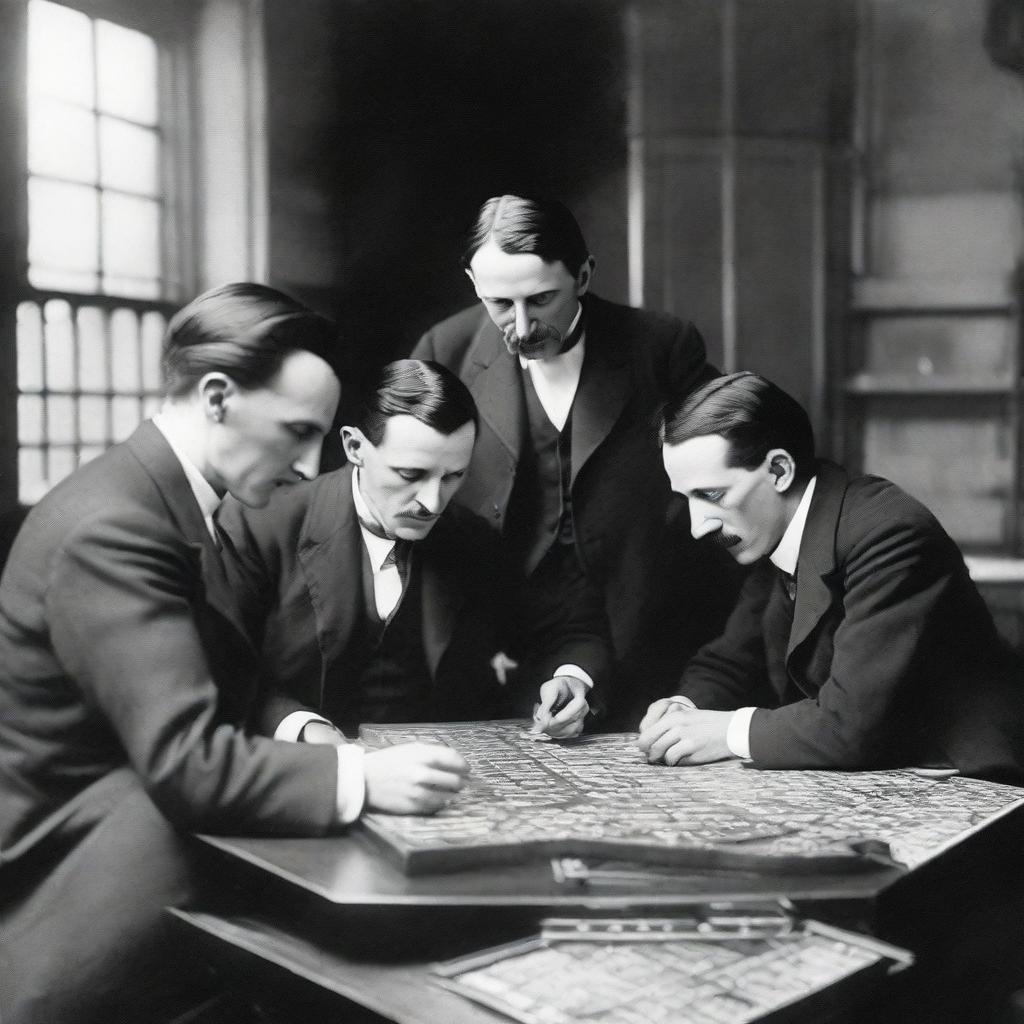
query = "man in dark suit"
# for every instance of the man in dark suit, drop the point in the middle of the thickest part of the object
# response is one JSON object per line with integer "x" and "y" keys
{"x": 567, "y": 464}
{"x": 859, "y": 640}
{"x": 374, "y": 600}
{"x": 125, "y": 676}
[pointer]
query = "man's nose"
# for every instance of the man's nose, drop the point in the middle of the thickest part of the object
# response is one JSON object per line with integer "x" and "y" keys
{"x": 522, "y": 320}
{"x": 307, "y": 463}
{"x": 700, "y": 524}
{"x": 429, "y": 495}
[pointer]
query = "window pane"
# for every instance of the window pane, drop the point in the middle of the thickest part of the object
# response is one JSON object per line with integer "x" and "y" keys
{"x": 60, "y": 419}
{"x": 130, "y": 287}
{"x": 128, "y": 157}
{"x": 63, "y": 462}
{"x": 60, "y": 352}
{"x": 30, "y": 347}
{"x": 30, "y": 419}
{"x": 151, "y": 406}
{"x": 126, "y": 416}
{"x": 59, "y": 53}
{"x": 63, "y": 228}
{"x": 124, "y": 351}
{"x": 61, "y": 140}
{"x": 126, "y": 73}
{"x": 153, "y": 327}
{"x": 31, "y": 476}
{"x": 92, "y": 350}
{"x": 131, "y": 237}
{"x": 89, "y": 452}
{"x": 92, "y": 419}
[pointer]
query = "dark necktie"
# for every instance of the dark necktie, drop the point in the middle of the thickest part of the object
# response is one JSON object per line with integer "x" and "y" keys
{"x": 788, "y": 582}
{"x": 399, "y": 556}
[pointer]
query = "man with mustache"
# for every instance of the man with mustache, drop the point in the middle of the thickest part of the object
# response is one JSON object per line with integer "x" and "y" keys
{"x": 859, "y": 640}
{"x": 566, "y": 466}
{"x": 374, "y": 600}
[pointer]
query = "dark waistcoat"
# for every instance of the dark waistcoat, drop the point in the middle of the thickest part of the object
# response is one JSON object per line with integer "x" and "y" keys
{"x": 540, "y": 507}
{"x": 387, "y": 661}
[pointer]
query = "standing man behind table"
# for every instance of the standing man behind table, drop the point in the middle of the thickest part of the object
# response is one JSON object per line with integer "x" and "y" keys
{"x": 567, "y": 464}
{"x": 125, "y": 675}
{"x": 859, "y": 640}
{"x": 375, "y": 600}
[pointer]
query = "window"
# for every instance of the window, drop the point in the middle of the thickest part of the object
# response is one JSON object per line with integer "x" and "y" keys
{"x": 100, "y": 240}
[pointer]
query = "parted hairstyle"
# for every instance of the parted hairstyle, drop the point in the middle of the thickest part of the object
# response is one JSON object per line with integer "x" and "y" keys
{"x": 244, "y": 330}
{"x": 751, "y": 413}
{"x": 536, "y": 227}
{"x": 425, "y": 390}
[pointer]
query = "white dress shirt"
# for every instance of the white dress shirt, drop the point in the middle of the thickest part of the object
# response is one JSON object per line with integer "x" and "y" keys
{"x": 784, "y": 557}
{"x": 556, "y": 379}
{"x": 350, "y": 791}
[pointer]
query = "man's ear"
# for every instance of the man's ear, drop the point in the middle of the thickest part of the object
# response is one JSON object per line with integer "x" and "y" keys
{"x": 585, "y": 276}
{"x": 215, "y": 389}
{"x": 782, "y": 468}
{"x": 353, "y": 440}
{"x": 469, "y": 274}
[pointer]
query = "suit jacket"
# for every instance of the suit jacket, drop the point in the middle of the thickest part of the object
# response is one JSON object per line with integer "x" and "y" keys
{"x": 891, "y": 657}
{"x": 121, "y": 647}
{"x": 631, "y": 537}
{"x": 297, "y": 569}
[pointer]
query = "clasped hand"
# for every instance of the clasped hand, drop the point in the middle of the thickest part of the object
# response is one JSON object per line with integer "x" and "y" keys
{"x": 674, "y": 731}
{"x": 563, "y": 707}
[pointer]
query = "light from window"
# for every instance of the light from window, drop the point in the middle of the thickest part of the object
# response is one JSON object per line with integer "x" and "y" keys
{"x": 95, "y": 200}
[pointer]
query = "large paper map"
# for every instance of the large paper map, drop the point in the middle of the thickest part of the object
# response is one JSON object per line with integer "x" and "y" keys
{"x": 598, "y": 797}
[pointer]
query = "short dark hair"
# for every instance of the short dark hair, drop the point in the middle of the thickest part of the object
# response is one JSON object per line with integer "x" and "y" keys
{"x": 751, "y": 413}
{"x": 244, "y": 330}
{"x": 425, "y": 390}
{"x": 537, "y": 227}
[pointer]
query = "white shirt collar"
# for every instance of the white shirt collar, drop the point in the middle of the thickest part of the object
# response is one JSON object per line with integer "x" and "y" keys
{"x": 566, "y": 365}
{"x": 378, "y": 548}
{"x": 208, "y": 499}
{"x": 785, "y": 555}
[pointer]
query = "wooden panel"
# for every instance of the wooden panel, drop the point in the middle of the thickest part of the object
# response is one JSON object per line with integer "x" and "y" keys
{"x": 683, "y": 234}
{"x": 968, "y": 347}
{"x": 794, "y": 58}
{"x": 678, "y": 43}
{"x": 955, "y": 457}
{"x": 780, "y": 272}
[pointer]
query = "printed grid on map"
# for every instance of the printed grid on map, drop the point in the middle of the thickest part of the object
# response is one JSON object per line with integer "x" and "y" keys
{"x": 735, "y": 981}
{"x": 597, "y": 796}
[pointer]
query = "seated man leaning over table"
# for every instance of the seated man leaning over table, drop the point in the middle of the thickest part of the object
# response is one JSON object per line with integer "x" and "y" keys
{"x": 374, "y": 600}
{"x": 859, "y": 640}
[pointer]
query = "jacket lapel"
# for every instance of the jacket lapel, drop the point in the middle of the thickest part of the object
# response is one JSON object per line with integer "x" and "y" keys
{"x": 158, "y": 459}
{"x": 330, "y": 553}
{"x": 443, "y": 596}
{"x": 604, "y": 389}
{"x": 816, "y": 565}
{"x": 492, "y": 378}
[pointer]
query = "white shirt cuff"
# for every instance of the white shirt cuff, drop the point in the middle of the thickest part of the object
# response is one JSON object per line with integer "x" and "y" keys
{"x": 351, "y": 783}
{"x": 737, "y": 736}
{"x": 576, "y": 672}
{"x": 291, "y": 726}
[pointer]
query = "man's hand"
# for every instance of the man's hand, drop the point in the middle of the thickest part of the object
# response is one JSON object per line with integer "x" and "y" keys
{"x": 677, "y": 734}
{"x": 413, "y": 778}
{"x": 662, "y": 707}
{"x": 563, "y": 707}
{"x": 322, "y": 732}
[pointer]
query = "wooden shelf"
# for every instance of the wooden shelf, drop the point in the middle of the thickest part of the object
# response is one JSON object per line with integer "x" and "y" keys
{"x": 922, "y": 384}
{"x": 924, "y": 296}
